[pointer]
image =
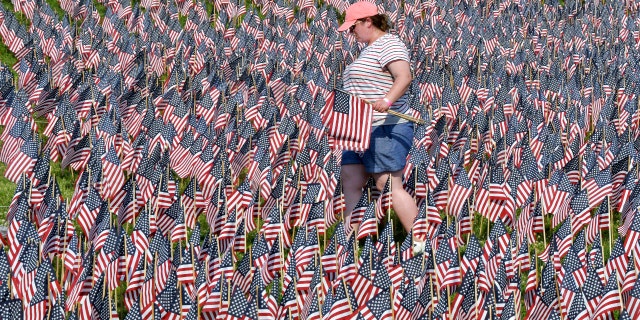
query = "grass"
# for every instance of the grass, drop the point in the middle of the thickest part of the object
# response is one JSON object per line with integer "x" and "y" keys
{"x": 100, "y": 7}
{"x": 7, "y": 190}
{"x": 65, "y": 179}
{"x": 55, "y": 5}
{"x": 8, "y": 58}
{"x": 21, "y": 17}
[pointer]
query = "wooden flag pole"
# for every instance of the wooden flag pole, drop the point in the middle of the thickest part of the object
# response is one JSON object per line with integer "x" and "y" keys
{"x": 395, "y": 113}
{"x": 544, "y": 227}
{"x": 109, "y": 294}
{"x": 475, "y": 295}
{"x": 470, "y": 218}
{"x": 431, "y": 289}
{"x": 487, "y": 218}
{"x": 389, "y": 208}
{"x": 555, "y": 277}
{"x": 324, "y": 236}
{"x": 228, "y": 293}
{"x": 60, "y": 256}
{"x": 601, "y": 243}
{"x": 610, "y": 225}
{"x": 51, "y": 299}
{"x": 619, "y": 291}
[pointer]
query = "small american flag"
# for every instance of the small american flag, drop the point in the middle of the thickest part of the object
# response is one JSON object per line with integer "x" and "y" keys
{"x": 348, "y": 121}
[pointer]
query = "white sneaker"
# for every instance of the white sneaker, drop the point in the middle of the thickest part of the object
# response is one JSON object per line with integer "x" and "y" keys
{"x": 418, "y": 247}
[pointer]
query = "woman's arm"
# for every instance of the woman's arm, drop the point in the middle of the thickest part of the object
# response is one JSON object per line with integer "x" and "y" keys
{"x": 402, "y": 77}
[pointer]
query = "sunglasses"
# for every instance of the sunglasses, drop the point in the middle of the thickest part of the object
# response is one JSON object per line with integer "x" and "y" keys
{"x": 354, "y": 26}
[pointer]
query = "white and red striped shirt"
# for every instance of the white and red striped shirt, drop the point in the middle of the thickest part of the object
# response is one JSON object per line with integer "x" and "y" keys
{"x": 368, "y": 77}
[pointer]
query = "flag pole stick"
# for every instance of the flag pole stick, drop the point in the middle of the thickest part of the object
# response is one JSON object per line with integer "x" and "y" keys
{"x": 228, "y": 293}
{"x": 406, "y": 117}
{"x": 324, "y": 236}
{"x": 395, "y": 113}
{"x": 63, "y": 257}
{"x": 347, "y": 294}
{"x": 155, "y": 272}
{"x": 50, "y": 298}
{"x": 389, "y": 208}
{"x": 544, "y": 227}
{"x": 610, "y": 224}
{"x": 487, "y": 218}
{"x": 475, "y": 296}
{"x": 470, "y": 218}
{"x": 109, "y": 294}
{"x": 65, "y": 240}
{"x": 555, "y": 277}
{"x": 431, "y": 288}
{"x": 619, "y": 291}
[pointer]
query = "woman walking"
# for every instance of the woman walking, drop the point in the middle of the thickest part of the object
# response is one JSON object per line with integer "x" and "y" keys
{"x": 381, "y": 75}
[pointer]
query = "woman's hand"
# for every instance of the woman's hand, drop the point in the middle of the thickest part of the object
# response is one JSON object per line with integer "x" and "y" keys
{"x": 380, "y": 105}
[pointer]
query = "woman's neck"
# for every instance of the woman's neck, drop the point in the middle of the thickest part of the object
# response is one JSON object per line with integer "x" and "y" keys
{"x": 376, "y": 35}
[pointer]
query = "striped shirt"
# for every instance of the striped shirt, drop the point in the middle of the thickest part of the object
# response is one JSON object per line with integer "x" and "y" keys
{"x": 368, "y": 77}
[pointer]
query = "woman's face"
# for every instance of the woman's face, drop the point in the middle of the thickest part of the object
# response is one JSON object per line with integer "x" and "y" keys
{"x": 358, "y": 29}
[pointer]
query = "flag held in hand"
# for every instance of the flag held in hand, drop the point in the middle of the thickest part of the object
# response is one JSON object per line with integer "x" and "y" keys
{"x": 348, "y": 120}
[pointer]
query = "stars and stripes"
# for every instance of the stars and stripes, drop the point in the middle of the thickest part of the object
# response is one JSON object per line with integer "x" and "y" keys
{"x": 348, "y": 120}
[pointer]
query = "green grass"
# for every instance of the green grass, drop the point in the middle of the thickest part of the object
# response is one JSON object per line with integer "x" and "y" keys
{"x": 55, "y": 5}
{"x": 65, "y": 179}
{"x": 19, "y": 15}
{"x": 8, "y": 58}
{"x": 7, "y": 190}
{"x": 100, "y": 7}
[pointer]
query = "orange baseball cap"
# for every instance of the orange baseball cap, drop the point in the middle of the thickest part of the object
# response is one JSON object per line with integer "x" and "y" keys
{"x": 357, "y": 11}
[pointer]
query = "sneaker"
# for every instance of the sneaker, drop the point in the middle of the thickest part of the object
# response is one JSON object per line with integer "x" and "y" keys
{"x": 418, "y": 247}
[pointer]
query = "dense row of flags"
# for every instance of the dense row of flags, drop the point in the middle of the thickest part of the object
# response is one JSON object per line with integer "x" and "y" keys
{"x": 530, "y": 111}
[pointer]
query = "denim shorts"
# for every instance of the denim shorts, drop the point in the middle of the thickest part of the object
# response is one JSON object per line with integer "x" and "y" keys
{"x": 388, "y": 150}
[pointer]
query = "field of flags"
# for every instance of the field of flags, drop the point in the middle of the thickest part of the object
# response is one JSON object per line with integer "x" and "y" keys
{"x": 207, "y": 177}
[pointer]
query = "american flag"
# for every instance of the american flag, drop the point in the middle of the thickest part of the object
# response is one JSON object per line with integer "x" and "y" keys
{"x": 461, "y": 188}
{"x": 618, "y": 259}
{"x": 610, "y": 300}
{"x": 348, "y": 120}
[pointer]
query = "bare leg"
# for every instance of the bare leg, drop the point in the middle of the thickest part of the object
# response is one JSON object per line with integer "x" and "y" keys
{"x": 354, "y": 179}
{"x": 402, "y": 202}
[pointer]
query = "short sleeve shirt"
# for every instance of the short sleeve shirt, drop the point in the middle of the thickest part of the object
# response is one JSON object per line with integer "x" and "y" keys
{"x": 368, "y": 77}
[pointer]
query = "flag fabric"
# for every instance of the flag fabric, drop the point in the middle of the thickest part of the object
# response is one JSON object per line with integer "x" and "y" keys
{"x": 348, "y": 121}
{"x": 610, "y": 299}
{"x": 461, "y": 187}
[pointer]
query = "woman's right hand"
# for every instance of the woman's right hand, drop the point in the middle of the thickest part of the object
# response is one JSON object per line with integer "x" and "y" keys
{"x": 380, "y": 105}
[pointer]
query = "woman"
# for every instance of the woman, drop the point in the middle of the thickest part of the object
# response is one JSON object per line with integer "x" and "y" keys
{"x": 381, "y": 75}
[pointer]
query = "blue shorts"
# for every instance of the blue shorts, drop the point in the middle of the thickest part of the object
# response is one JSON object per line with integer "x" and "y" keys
{"x": 388, "y": 150}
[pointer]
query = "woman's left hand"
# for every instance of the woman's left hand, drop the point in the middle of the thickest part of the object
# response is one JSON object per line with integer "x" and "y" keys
{"x": 380, "y": 106}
